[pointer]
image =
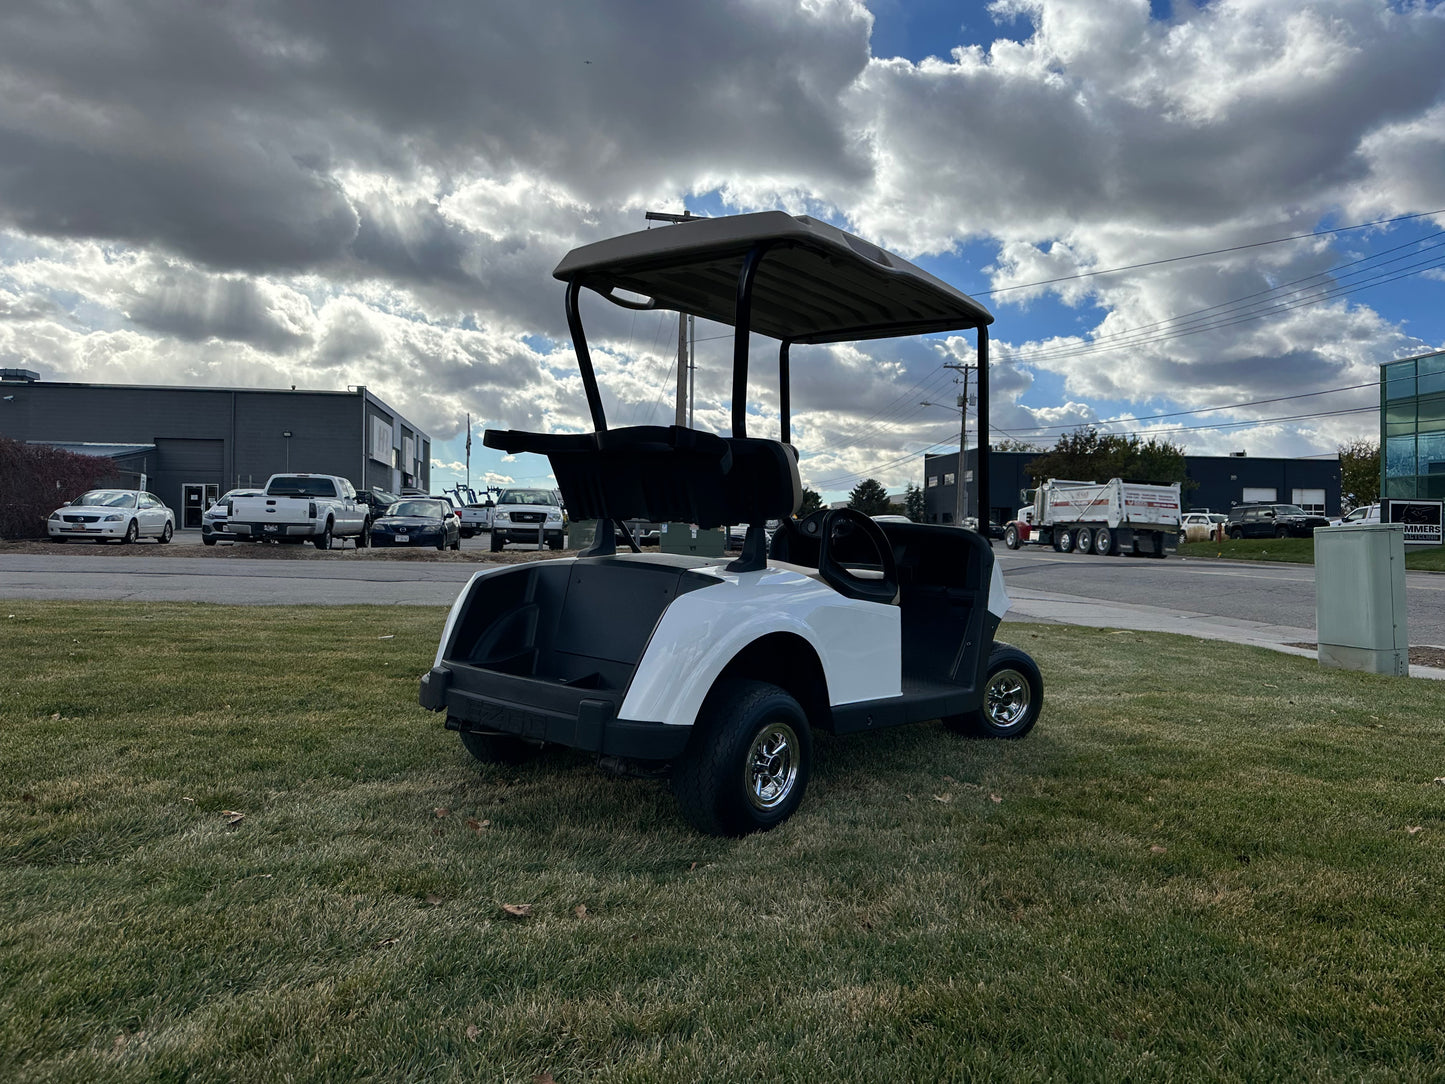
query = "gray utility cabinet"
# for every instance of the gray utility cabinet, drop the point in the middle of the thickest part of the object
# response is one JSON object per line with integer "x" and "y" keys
{"x": 1360, "y": 619}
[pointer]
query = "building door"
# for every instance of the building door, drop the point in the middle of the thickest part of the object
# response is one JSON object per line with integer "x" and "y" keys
{"x": 196, "y": 497}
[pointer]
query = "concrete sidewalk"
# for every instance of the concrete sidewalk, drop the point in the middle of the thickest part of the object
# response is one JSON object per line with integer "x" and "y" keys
{"x": 1058, "y": 609}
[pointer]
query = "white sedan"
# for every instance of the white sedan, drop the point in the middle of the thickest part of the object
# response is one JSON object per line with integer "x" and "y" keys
{"x": 120, "y": 514}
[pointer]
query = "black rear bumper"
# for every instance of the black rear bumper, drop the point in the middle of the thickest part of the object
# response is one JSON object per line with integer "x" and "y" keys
{"x": 477, "y": 699}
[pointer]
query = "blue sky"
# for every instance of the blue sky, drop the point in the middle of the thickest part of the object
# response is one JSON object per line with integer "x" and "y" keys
{"x": 306, "y": 207}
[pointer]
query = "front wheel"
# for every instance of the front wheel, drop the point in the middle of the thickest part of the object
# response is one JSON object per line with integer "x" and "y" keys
{"x": 555, "y": 542}
{"x": 208, "y": 540}
{"x": 1011, "y": 537}
{"x": 1013, "y": 695}
{"x": 167, "y": 532}
{"x": 748, "y": 762}
{"x": 363, "y": 540}
{"x": 1085, "y": 541}
{"x": 497, "y": 542}
{"x": 1237, "y": 534}
{"x": 132, "y": 532}
{"x": 1281, "y": 532}
{"x": 1065, "y": 541}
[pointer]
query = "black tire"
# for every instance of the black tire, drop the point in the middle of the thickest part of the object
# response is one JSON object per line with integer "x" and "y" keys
{"x": 167, "y": 533}
{"x": 59, "y": 538}
{"x": 1064, "y": 541}
{"x": 132, "y": 532}
{"x": 363, "y": 540}
{"x": 1106, "y": 543}
{"x": 1237, "y": 534}
{"x": 1013, "y": 696}
{"x": 323, "y": 540}
{"x": 497, "y": 542}
{"x": 747, "y": 765}
{"x": 208, "y": 540}
{"x": 555, "y": 542}
{"x": 1281, "y": 532}
{"x": 1011, "y": 537}
{"x": 457, "y": 545}
{"x": 442, "y": 543}
{"x": 494, "y": 747}
{"x": 1183, "y": 538}
{"x": 1084, "y": 540}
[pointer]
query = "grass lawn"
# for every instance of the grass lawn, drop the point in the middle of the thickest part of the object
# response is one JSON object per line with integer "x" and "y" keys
{"x": 233, "y": 848}
{"x": 1298, "y": 551}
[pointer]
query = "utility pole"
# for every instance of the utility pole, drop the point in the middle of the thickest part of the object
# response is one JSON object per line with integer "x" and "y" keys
{"x": 683, "y": 413}
{"x": 961, "y": 493}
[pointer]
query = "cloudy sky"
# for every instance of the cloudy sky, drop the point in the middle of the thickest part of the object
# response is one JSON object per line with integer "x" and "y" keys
{"x": 340, "y": 192}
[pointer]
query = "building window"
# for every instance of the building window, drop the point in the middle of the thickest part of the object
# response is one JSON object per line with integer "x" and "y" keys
{"x": 948, "y": 479}
{"x": 932, "y": 481}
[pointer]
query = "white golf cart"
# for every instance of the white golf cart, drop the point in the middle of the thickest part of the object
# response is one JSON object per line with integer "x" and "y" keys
{"x": 718, "y": 672}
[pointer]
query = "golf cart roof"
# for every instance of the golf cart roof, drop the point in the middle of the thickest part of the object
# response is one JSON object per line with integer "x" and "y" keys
{"x": 814, "y": 283}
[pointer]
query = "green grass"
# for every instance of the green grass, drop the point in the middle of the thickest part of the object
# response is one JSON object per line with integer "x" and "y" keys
{"x": 1201, "y": 865}
{"x": 1297, "y": 551}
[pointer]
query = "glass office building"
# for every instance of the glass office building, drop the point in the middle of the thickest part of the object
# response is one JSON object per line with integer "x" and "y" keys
{"x": 1412, "y": 422}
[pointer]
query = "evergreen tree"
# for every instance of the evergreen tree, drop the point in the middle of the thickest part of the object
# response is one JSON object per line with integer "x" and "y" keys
{"x": 869, "y": 497}
{"x": 914, "y": 506}
{"x": 812, "y": 502}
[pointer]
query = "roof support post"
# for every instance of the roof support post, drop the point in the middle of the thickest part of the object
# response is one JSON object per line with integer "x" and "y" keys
{"x": 584, "y": 358}
{"x": 785, "y": 394}
{"x": 742, "y": 329}
{"x": 981, "y": 486}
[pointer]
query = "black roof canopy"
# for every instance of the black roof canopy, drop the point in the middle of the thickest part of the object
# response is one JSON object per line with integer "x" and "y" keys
{"x": 813, "y": 283}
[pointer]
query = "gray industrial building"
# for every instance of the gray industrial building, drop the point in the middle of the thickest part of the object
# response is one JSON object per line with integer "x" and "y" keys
{"x": 1219, "y": 483}
{"x": 195, "y": 443}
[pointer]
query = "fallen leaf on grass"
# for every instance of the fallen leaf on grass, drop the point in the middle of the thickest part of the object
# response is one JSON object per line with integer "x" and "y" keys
{"x": 232, "y": 817}
{"x": 31, "y": 797}
{"x": 1267, "y": 685}
{"x": 386, "y": 942}
{"x": 388, "y": 636}
{"x": 1440, "y": 779}
{"x": 443, "y": 812}
{"x": 1415, "y": 828}
{"x": 433, "y": 899}
{"x": 472, "y": 1032}
{"x": 55, "y": 716}
{"x": 944, "y": 798}
{"x": 543, "y": 1078}
{"x": 518, "y": 910}
{"x": 476, "y": 825}
{"x": 580, "y": 910}
{"x": 994, "y": 798}
{"x": 1156, "y": 849}
{"x": 192, "y": 800}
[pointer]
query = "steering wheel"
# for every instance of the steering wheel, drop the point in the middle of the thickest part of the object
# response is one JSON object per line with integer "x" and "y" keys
{"x": 840, "y": 523}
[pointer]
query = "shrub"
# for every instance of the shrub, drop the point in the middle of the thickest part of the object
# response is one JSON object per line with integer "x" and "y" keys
{"x": 35, "y": 479}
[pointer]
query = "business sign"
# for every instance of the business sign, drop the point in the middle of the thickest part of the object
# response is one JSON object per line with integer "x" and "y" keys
{"x": 1422, "y": 519}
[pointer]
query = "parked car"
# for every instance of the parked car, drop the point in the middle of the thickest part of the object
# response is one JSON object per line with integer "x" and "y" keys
{"x": 377, "y": 500}
{"x": 528, "y": 515}
{"x": 1200, "y": 526}
{"x": 215, "y": 520}
{"x": 1366, "y": 513}
{"x": 120, "y": 515}
{"x": 418, "y": 521}
{"x": 1272, "y": 521}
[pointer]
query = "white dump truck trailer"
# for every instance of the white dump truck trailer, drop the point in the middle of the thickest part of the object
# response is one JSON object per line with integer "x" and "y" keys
{"x": 1107, "y": 518}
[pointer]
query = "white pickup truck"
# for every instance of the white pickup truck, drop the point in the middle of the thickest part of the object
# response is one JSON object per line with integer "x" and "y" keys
{"x": 297, "y": 507}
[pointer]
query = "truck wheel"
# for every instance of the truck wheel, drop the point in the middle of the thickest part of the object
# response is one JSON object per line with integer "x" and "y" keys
{"x": 1084, "y": 542}
{"x": 1237, "y": 534}
{"x": 748, "y": 762}
{"x": 1281, "y": 532}
{"x": 323, "y": 540}
{"x": 494, "y": 747}
{"x": 1064, "y": 541}
{"x": 363, "y": 540}
{"x": 1013, "y": 695}
{"x": 498, "y": 542}
{"x": 208, "y": 540}
{"x": 1011, "y": 537}
{"x": 1105, "y": 543}
{"x": 555, "y": 542}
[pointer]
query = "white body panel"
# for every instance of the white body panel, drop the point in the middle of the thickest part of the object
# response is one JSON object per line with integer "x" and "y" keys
{"x": 858, "y": 643}
{"x": 291, "y": 516}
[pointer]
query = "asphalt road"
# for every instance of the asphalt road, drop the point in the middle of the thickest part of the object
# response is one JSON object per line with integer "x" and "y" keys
{"x": 1273, "y": 595}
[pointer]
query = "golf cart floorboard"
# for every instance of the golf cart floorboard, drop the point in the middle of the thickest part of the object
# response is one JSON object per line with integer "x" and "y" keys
{"x": 922, "y": 699}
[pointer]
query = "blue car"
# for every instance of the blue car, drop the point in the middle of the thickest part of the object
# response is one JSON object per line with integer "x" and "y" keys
{"x": 418, "y": 521}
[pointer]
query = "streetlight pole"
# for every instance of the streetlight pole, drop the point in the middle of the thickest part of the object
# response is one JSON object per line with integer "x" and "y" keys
{"x": 961, "y": 494}
{"x": 682, "y": 415}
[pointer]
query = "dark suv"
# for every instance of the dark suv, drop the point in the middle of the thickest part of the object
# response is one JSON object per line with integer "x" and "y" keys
{"x": 1272, "y": 521}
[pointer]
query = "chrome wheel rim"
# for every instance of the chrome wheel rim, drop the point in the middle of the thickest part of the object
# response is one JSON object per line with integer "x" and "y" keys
{"x": 770, "y": 770}
{"x": 1006, "y": 699}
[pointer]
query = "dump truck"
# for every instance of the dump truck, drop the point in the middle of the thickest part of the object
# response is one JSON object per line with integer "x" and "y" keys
{"x": 1107, "y": 518}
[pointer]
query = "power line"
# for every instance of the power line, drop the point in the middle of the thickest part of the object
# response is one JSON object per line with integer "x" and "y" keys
{"x": 1211, "y": 252}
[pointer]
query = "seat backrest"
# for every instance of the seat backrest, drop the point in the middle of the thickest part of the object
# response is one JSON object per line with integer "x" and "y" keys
{"x": 666, "y": 474}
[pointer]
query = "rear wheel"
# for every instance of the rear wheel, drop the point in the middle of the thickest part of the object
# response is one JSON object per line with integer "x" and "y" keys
{"x": 1013, "y": 695}
{"x": 494, "y": 747}
{"x": 1011, "y": 537}
{"x": 323, "y": 540}
{"x": 167, "y": 532}
{"x": 1085, "y": 541}
{"x": 1105, "y": 543}
{"x": 748, "y": 762}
